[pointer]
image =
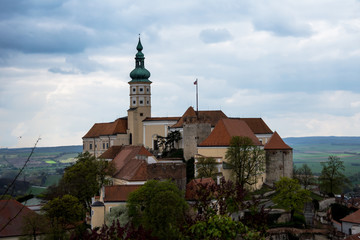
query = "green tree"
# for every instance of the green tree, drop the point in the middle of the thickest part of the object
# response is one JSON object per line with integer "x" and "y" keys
{"x": 167, "y": 144}
{"x": 304, "y": 175}
{"x": 332, "y": 179}
{"x": 34, "y": 225}
{"x": 245, "y": 159}
{"x": 119, "y": 213}
{"x": 220, "y": 227}
{"x": 63, "y": 212}
{"x": 206, "y": 167}
{"x": 158, "y": 206}
{"x": 83, "y": 179}
{"x": 290, "y": 195}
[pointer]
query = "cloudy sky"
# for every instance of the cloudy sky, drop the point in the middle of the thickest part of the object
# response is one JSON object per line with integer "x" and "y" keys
{"x": 65, "y": 64}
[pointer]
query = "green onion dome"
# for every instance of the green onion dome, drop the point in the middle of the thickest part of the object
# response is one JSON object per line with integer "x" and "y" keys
{"x": 140, "y": 73}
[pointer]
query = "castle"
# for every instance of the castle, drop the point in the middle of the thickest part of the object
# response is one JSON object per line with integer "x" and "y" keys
{"x": 204, "y": 133}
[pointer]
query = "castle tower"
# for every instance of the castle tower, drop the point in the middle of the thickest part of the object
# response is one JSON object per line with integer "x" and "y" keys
{"x": 140, "y": 97}
{"x": 279, "y": 159}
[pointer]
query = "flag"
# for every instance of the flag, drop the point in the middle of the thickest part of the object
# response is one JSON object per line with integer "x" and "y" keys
{"x": 195, "y": 83}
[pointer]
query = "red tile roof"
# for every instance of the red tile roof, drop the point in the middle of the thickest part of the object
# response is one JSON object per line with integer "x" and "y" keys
{"x": 130, "y": 163}
{"x": 353, "y": 237}
{"x": 111, "y": 152}
{"x": 9, "y": 209}
{"x": 352, "y": 218}
{"x": 225, "y": 129}
{"x": 119, "y": 193}
{"x": 257, "y": 125}
{"x": 119, "y": 126}
{"x": 276, "y": 142}
{"x": 192, "y": 186}
{"x": 212, "y": 116}
{"x": 161, "y": 119}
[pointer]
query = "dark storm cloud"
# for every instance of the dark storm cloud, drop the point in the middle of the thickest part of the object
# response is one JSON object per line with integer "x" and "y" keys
{"x": 42, "y": 36}
{"x": 57, "y": 27}
{"x": 11, "y": 8}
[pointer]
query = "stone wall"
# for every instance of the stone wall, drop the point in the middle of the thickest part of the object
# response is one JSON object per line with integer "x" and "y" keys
{"x": 302, "y": 234}
{"x": 279, "y": 163}
{"x": 194, "y": 132}
{"x": 173, "y": 171}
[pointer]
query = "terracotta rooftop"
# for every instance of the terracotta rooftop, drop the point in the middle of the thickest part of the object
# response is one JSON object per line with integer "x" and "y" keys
{"x": 119, "y": 193}
{"x": 257, "y": 125}
{"x": 353, "y": 237}
{"x": 130, "y": 163}
{"x": 225, "y": 129}
{"x": 212, "y": 116}
{"x": 352, "y": 218}
{"x": 192, "y": 186}
{"x": 161, "y": 119}
{"x": 276, "y": 142}
{"x": 111, "y": 152}
{"x": 119, "y": 126}
{"x": 9, "y": 209}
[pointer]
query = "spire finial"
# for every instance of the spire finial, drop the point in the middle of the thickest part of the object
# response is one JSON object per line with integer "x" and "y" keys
{"x": 139, "y": 46}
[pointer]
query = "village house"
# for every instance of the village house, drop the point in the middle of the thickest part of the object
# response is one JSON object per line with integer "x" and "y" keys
{"x": 13, "y": 219}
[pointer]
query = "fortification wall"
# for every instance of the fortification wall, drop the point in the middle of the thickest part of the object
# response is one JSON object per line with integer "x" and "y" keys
{"x": 194, "y": 132}
{"x": 279, "y": 163}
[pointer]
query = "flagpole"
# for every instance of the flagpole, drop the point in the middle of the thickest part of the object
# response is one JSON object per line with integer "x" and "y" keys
{"x": 197, "y": 98}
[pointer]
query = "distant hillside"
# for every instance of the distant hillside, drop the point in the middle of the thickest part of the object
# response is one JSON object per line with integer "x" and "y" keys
{"x": 323, "y": 140}
{"x": 315, "y": 150}
{"x": 63, "y": 149}
{"x": 45, "y": 167}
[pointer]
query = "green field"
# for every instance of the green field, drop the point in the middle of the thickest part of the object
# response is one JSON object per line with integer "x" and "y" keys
{"x": 45, "y": 167}
{"x": 315, "y": 150}
{"x": 52, "y": 179}
{"x": 36, "y": 190}
{"x": 50, "y": 161}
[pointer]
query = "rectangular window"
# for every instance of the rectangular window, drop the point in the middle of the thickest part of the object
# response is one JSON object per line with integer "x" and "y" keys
{"x": 134, "y": 89}
{"x": 141, "y": 89}
{"x": 90, "y": 146}
{"x": 107, "y": 145}
{"x": 103, "y": 145}
{"x": 147, "y": 89}
{"x": 141, "y": 102}
{"x": 141, "y": 114}
{"x": 134, "y": 102}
